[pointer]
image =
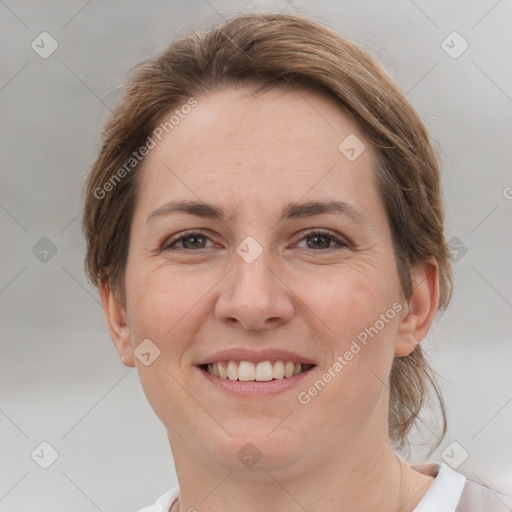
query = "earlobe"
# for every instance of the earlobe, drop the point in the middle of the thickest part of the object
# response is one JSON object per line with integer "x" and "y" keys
{"x": 421, "y": 310}
{"x": 115, "y": 315}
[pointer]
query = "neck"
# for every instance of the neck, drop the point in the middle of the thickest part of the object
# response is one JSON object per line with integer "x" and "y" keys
{"x": 352, "y": 477}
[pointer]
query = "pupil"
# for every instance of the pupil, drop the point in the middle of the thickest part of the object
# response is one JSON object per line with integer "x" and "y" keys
{"x": 195, "y": 244}
{"x": 319, "y": 242}
{"x": 325, "y": 245}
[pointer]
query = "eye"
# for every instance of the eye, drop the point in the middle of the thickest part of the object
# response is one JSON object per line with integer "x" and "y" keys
{"x": 321, "y": 240}
{"x": 189, "y": 240}
{"x": 316, "y": 240}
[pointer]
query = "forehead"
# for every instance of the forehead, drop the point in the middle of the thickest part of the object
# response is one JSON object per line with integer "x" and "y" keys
{"x": 279, "y": 118}
{"x": 242, "y": 146}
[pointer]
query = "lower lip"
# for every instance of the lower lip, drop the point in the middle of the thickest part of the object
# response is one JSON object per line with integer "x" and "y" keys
{"x": 255, "y": 388}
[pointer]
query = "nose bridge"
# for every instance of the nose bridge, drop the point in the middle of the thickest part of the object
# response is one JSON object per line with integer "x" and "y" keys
{"x": 252, "y": 269}
{"x": 253, "y": 297}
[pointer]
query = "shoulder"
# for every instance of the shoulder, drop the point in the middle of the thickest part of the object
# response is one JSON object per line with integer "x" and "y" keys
{"x": 454, "y": 492}
{"x": 445, "y": 491}
{"x": 163, "y": 504}
{"x": 480, "y": 498}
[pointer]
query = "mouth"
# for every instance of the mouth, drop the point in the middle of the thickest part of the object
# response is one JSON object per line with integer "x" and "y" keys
{"x": 249, "y": 371}
{"x": 246, "y": 373}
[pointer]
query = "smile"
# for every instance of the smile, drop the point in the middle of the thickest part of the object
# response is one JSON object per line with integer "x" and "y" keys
{"x": 263, "y": 371}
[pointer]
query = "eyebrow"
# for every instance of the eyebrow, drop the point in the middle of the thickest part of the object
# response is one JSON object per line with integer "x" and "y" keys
{"x": 291, "y": 211}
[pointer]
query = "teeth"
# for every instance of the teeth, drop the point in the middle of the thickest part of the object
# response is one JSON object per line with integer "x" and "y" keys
{"x": 223, "y": 374}
{"x": 264, "y": 371}
{"x": 278, "y": 372}
{"x": 248, "y": 371}
{"x": 232, "y": 370}
{"x": 288, "y": 369}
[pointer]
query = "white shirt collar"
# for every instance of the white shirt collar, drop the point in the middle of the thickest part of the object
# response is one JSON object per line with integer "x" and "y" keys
{"x": 444, "y": 493}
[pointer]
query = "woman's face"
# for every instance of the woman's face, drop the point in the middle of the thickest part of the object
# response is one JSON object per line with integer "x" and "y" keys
{"x": 291, "y": 260}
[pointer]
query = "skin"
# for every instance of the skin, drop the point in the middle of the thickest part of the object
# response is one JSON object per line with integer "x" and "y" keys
{"x": 252, "y": 155}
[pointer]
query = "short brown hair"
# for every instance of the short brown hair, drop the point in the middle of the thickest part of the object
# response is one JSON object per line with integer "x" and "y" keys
{"x": 272, "y": 50}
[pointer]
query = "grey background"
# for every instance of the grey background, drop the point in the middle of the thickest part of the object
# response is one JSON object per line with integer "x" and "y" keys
{"x": 61, "y": 380}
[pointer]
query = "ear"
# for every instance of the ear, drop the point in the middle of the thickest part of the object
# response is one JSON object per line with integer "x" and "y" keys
{"x": 115, "y": 315}
{"x": 421, "y": 309}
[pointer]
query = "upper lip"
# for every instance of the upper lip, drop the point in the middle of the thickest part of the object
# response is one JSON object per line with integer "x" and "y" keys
{"x": 255, "y": 356}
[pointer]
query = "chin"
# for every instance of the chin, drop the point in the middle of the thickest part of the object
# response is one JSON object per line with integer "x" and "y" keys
{"x": 256, "y": 449}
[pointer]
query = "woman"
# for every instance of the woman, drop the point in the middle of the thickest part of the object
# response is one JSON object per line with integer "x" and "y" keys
{"x": 265, "y": 225}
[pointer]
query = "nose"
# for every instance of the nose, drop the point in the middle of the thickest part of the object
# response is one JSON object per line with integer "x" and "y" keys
{"x": 254, "y": 297}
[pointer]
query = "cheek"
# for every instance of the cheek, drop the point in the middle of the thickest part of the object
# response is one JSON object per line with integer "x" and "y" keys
{"x": 165, "y": 307}
{"x": 168, "y": 306}
{"x": 361, "y": 311}
{"x": 161, "y": 301}
{"x": 350, "y": 299}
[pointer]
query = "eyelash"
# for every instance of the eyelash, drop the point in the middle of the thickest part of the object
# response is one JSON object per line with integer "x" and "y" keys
{"x": 168, "y": 246}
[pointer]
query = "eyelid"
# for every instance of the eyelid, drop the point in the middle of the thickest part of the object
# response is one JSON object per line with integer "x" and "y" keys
{"x": 340, "y": 240}
{"x": 177, "y": 237}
